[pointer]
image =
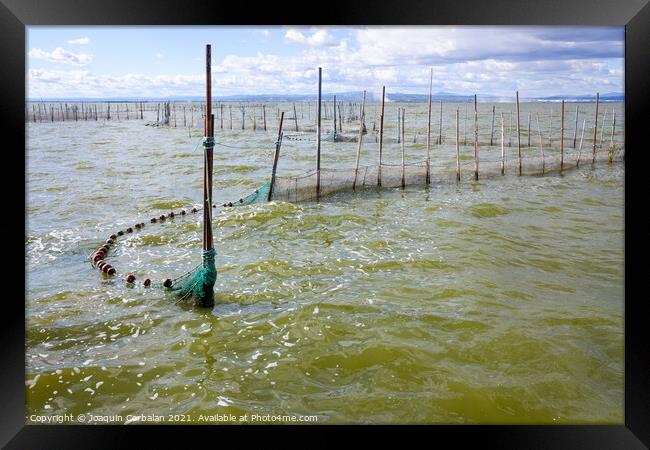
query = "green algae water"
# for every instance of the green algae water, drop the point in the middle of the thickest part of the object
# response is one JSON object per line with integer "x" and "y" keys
{"x": 492, "y": 301}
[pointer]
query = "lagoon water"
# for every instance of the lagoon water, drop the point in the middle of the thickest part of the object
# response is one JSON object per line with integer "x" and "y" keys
{"x": 491, "y": 301}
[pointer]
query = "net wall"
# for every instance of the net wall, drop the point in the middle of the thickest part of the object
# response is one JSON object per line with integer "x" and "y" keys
{"x": 303, "y": 187}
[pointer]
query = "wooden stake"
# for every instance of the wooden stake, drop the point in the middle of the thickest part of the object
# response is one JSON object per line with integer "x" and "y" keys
{"x": 457, "y": 145}
{"x": 503, "y": 146}
{"x": 428, "y": 179}
{"x": 492, "y": 129}
{"x": 595, "y": 128}
{"x": 276, "y": 157}
{"x": 602, "y": 128}
{"x": 403, "y": 174}
{"x": 399, "y": 125}
{"x": 208, "y": 128}
{"x": 528, "y": 130}
{"x": 333, "y": 114}
{"x": 575, "y": 129}
{"x": 611, "y": 141}
{"x": 562, "y": 137}
{"x": 295, "y": 116}
{"x": 518, "y": 136}
{"x": 440, "y": 127}
{"x": 318, "y": 126}
{"x": 356, "y": 164}
{"x": 264, "y": 115}
{"x": 475, "y": 138}
{"x": 381, "y": 134}
{"x": 584, "y": 122}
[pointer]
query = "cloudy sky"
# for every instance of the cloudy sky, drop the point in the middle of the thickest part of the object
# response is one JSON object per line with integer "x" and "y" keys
{"x": 162, "y": 61}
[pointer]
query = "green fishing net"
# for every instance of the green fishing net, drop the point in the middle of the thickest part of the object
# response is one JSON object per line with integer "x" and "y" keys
{"x": 199, "y": 282}
{"x": 260, "y": 195}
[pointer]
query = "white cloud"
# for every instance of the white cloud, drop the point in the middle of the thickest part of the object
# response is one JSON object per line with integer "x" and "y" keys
{"x": 481, "y": 60}
{"x": 317, "y": 39}
{"x": 80, "y": 41}
{"x": 159, "y": 55}
{"x": 59, "y": 55}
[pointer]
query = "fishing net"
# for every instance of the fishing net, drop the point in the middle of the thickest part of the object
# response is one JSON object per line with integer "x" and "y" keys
{"x": 199, "y": 282}
{"x": 260, "y": 195}
{"x": 303, "y": 187}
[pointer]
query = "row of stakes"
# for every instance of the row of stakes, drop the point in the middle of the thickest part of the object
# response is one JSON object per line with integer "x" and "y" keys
{"x": 98, "y": 257}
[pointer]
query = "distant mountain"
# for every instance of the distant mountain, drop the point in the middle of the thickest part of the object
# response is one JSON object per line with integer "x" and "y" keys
{"x": 352, "y": 97}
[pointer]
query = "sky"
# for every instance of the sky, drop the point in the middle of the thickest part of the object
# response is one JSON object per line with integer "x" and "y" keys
{"x": 154, "y": 62}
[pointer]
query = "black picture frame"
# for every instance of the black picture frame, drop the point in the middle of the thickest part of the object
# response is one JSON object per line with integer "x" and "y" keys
{"x": 15, "y": 15}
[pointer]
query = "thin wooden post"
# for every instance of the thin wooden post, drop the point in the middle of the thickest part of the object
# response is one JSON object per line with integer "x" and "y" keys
{"x": 584, "y": 122}
{"x": 541, "y": 141}
{"x": 529, "y": 114}
{"x": 356, "y": 164}
{"x": 295, "y": 117}
{"x": 318, "y": 126}
{"x": 399, "y": 125}
{"x": 264, "y": 115}
{"x": 611, "y": 141}
{"x": 518, "y": 136}
{"x": 457, "y": 145}
{"x": 440, "y": 127}
{"x": 428, "y": 177}
{"x": 333, "y": 115}
{"x": 503, "y": 146}
{"x": 230, "y": 109}
{"x": 602, "y": 128}
{"x": 595, "y": 128}
{"x": 562, "y": 137}
{"x": 492, "y": 129}
{"x": 209, "y": 147}
{"x": 575, "y": 129}
{"x": 403, "y": 174}
{"x": 221, "y": 114}
{"x": 475, "y": 138}
{"x": 276, "y": 157}
{"x": 381, "y": 134}
{"x": 243, "y": 117}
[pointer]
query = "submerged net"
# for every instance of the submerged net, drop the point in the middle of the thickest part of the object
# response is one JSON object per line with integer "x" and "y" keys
{"x": 198, "y": 283}
{"x": 303, "y": 187}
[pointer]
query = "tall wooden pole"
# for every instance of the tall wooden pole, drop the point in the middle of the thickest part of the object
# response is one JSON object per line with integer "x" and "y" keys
{"x": 582, "y": 135}
{"x": 381, "y": 134}
{"x": 399, "y": 125}
{"x": 333, "y": 114}
{"x": 428, "y": 179}
{"x": 529, "y": 129}
{"x": 457, "y": 145}
{"x": 264, "y": 115}
{"x": 611, "y": 141}
{"x": 356, "y": 164}
{"x": 595, "y": 128}
{"x": 562, "y": 137}
{"x": 518, "y": 136}
{"x": 295, "y": 116}
{"x": 209, "y": 147}
{"x": 503, "y": 146}
{"x": 492, "y": 129}
{"x": 440, "y": 127}
{"x": 276, "y": 156}
{"x": 403, "y": 174}
{"x": 318, "y": 125}
{"x": 575, "y": 129}
{"x": 475, "y": 138}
